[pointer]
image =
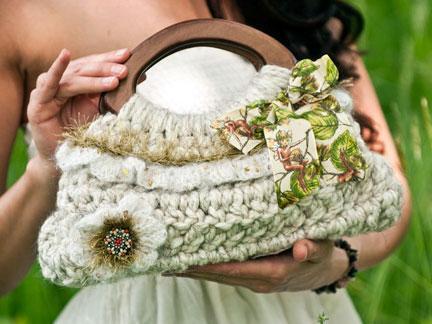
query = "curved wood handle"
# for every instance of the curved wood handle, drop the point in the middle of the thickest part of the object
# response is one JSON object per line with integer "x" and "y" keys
{"x": 254, "y": 45}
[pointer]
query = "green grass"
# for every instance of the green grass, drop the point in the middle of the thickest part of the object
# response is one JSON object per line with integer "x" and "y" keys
{"x": 398, "y": 40}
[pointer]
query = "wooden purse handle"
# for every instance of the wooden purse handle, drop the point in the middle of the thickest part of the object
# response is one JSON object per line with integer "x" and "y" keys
{"x": 252, "y": 44}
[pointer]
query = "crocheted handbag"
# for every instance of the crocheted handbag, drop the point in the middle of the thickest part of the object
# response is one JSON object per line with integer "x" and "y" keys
{"x": 148, "y": 191}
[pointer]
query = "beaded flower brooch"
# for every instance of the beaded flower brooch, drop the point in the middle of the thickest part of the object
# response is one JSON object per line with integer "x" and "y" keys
{"x": 126, "y": 235}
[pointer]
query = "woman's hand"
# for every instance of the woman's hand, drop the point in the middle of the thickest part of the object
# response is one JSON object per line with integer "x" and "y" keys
{"x": 68, "y": 94}
{"x": 308, "y": 265}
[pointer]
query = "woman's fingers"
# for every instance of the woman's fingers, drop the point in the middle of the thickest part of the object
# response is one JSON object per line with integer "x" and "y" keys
{"x": 366, "y": 133}
{"x": 247, "y": 269}
{"x": 91, "y": 74}
{"x": 48, "y": 83}
{"x": 267, "y": 269}
{"x": 377, "y": 147}
{"x": 86, "y": 85}
{"x": 255, "y": 285}
{"x": 41, "y": 106}
{"x": 117, "y": 56}
{"x": 99, "y": 69}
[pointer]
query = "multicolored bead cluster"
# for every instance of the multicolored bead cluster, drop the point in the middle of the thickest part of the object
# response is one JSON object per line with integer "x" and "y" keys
{"x": 118, "y": 242}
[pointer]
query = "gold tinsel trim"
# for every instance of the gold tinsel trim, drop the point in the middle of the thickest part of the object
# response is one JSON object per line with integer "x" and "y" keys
{"x": 128, "y": 139}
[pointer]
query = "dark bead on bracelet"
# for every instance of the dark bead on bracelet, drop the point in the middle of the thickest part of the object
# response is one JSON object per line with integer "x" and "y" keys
{"x": 352, "y": 258}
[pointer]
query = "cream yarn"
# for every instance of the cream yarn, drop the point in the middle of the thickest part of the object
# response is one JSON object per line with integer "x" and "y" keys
{"x": 192, "y": 213}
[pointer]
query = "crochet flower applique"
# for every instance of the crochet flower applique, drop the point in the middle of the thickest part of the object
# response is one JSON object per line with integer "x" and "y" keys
{"x": 123, "y": 237}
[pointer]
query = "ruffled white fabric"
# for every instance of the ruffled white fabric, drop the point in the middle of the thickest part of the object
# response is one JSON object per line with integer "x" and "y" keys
{"x": 159, "y": 300}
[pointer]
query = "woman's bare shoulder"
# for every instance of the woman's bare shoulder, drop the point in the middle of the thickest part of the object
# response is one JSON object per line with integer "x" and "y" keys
{"x": 9, "y": 11}
{"x": 20, "y": 20}
{"x": 30, "y": 36}
{"x": 17, "y": 43}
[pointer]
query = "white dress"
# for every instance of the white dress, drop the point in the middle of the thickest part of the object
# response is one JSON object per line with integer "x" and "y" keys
{"x": 185, "y": 83}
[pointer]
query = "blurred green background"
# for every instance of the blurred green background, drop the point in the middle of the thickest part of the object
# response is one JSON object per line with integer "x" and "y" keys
{"x": 398, "y": 41}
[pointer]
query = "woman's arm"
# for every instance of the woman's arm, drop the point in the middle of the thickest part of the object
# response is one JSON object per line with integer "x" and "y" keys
{"x": 374, "y": 247}
{"x": 23, "y": 208}
{"x": 313, "y": 264}
{"x": 25, "y": 205}
{"x": 60, "y": 98}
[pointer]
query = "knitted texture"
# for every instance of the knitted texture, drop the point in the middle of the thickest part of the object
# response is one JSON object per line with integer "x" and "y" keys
{"x": 187, "y": 198}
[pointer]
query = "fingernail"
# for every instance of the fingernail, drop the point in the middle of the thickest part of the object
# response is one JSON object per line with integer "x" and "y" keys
{"x": 118, "y": 69}
{"x": 121, "y": 52}
{"x": 64, "y": 52}
{"x": 306, "y": 254}
{"x": 108, "y": 80}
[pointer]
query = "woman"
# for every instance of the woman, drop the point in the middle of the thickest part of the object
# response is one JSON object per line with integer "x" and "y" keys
{"x": 53, "y": 95}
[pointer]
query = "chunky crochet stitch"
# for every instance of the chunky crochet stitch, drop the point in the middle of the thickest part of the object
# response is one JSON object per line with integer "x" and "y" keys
{"x": 188, "y": 198}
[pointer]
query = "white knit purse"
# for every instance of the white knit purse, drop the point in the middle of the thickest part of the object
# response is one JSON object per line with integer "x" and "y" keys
{"x": 147, "y": 190}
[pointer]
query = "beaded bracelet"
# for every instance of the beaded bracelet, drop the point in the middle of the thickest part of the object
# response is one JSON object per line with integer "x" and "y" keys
{"x": 352, "y": 258}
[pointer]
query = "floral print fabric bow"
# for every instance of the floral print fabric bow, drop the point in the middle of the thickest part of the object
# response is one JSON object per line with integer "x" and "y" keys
{"x": 308, "y": 134}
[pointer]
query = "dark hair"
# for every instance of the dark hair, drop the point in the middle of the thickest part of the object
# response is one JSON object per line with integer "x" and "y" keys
{"x": 302, "y": 26}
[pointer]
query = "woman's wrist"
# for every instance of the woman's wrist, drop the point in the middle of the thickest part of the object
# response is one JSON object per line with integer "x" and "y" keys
{"x": 43, "y": 171}
{"x": 340, "y": 262}
{"x": 343, "y": 266}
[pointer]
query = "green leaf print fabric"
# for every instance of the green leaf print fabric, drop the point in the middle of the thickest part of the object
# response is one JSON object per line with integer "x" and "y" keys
{"x": 308, "y": 135}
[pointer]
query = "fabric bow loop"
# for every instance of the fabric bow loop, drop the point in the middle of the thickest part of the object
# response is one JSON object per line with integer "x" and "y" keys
{"x": 308, "y": 135}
